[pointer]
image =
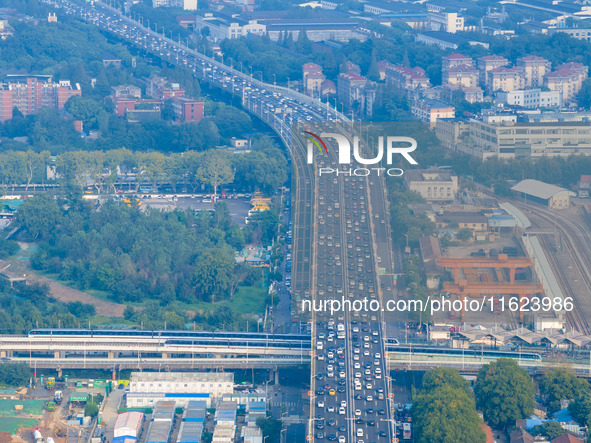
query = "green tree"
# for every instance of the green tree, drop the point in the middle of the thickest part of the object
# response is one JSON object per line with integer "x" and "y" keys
{"x": 504, "y": 393}
{"x": 561, "y": 384}
{"x": 464, "y": 234}
{"x": 38, "y": 215}
{"x": 580, "y": 409}
{"x": 270, "y": 426}
{"x": 128, "y": 312}
{"x": 15, "y": 374}
{"x": 212, "y": 275}
{"x": 215, "y": 170}
{"x": 91, "y": 409}
{"x": 444, "y": 377}
{"x": 549, "y": 429}
{"x": 446, "y": 414}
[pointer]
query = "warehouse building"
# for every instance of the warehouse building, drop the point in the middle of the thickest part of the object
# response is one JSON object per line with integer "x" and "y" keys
{"x": 147, "y": 388}
{"x": 546, "y": 194}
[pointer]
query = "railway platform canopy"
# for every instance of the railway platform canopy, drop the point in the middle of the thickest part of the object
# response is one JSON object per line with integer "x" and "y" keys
{"x": 522, "y": 336}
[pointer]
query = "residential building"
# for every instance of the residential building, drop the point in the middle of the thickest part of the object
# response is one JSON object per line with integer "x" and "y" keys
{"x": 431, "y": 110}
{"x": 356, "y": 93}
{"x": 535, "y": 70}
{"x": 472, "y": 94}
{"x": 461, "y": 75}
{"x": 531, "y": 98}
{"x": 453, "y": 60}
{"x": 187, "y": 109}
{"x": 405, "y": 78}
{"x": 312, "y": 79}
{"x": 328, "y": 87}
{"x": 445, "y": 21}
{"x": 525, "y": 139}
{"x": 31, "y": 93}
{"x": 124, "y": 105}
{"x": 567, "y": 79}
{"x": 505, "y": 79}
{"x": 446, "y": 40}
{"x": 489, "y": 62}
{"x": 434, "y": 185}
{"x": 148, "y": 388}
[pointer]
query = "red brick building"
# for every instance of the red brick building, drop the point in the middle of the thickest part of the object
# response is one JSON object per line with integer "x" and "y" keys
{"x": 30, "y": 94}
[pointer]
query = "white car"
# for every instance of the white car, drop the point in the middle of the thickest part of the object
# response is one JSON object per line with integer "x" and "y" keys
{"x": 378, "y": 355}
{"x": 320, "y": 404}
{"x": 357, "y": 366}
{"x": 342, "y": 439}
{"x": 358, "y": 375}
{"x": 342, "y": 411}
{"x": 343, "y": 403}
{"x": 369, "y": 398}
{"x": 358, "y": 412}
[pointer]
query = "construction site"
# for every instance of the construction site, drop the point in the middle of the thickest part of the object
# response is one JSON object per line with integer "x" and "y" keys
{"x": 521, "y": 278}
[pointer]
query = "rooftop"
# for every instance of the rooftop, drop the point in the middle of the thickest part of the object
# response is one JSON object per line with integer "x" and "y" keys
{"x": 539, "y": 189}
{"x": 182, "y": 376}
{"x": 454, "y": 56}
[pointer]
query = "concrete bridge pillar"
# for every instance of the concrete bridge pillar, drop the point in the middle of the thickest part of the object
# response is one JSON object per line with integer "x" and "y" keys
{"x": 56, "y": 354}
{"x": 276, "y": 377}
{"x": 111, "y": 355}
{"x": 3, "y": 354}
{"x": 164, "y": 355}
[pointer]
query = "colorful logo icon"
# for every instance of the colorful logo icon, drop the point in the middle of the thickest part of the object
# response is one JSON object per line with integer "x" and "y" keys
{"x": 317, "y": 141}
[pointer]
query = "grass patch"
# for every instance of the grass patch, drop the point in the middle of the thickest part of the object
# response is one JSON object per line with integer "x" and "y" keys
{"x": 13, "y": 424}
{"x": 247, "y": 300}
{"x": 33, "y": 407}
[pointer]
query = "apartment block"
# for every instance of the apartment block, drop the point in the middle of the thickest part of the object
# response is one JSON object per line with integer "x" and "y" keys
{"x": 356, "y": 93}
{"x": 462, "y": 75}
{"x": 30, "y": 94}
{"x": 405, "y": 78}
{"x": 453, "y": 60}
{"x": 187, "y": 109}
{"x": 505, "y": 79}
{"x": 487, "y": 63}
{"x": 535, "y": 70}
{"x": 313, "y": 79}
{"x": 567, "y": 79}
{"x": 431, "y": 110}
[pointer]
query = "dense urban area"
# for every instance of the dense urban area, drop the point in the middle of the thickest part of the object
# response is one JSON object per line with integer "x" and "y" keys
{"x": 191, "y": 252}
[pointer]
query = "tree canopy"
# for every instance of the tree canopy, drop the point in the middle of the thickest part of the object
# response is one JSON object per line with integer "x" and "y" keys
{"x": 504, "y": 393}
{"x": 561, "y": 384}
{"x": 444, "y": 410}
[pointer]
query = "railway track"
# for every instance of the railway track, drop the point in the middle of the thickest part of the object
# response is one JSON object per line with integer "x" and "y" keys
{"x": 574, "y": 237}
